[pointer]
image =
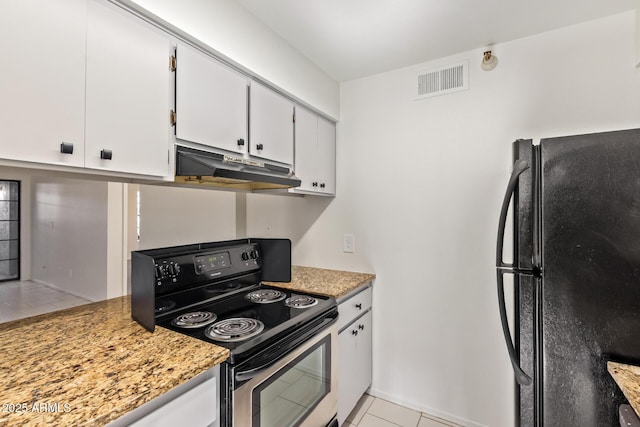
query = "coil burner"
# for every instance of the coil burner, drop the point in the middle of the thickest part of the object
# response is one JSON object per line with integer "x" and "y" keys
{"x": 195, "y": 319}
{"x": 300, "y": 301}
{"x": 265, "y": 296}
{"x": 234, "y": 329}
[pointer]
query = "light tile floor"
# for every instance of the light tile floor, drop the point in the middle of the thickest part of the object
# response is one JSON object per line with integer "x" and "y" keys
{"x": 25, "y": 299}
{"x": 375, "y": 412}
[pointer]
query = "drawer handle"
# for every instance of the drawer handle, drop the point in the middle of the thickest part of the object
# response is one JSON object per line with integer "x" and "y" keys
{"x": 241, "y": 142}
{"x": 106, "y": 154}
{"x": 354, "y": 332}
{"x": 260, "y": 147}
{"x": 66, "y": 148}
{"x": 361, "y": 327}
{"x": 359, "y": 306}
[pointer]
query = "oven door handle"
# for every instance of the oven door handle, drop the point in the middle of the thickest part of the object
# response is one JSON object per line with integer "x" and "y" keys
{"x": 251, "y": 373}
{"x": 297, "y": 346}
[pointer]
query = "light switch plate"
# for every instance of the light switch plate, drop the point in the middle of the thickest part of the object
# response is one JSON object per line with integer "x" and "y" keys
{"x": 348, "y": 243}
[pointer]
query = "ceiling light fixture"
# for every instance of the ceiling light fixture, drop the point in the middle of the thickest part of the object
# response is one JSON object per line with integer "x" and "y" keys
{"x": 489, "y": 61}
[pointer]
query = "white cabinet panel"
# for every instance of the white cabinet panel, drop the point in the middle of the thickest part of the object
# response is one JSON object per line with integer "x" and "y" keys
{"x": 271, "y": 125}
{"x": 326, "y": 168}
{"x": 315, "y": 153}
{"x": 42, "y": 80}
{"x": 128, "y": 93}
{"x": 195, "y": 408}
{"x": 306, "y": 143}
{"x": 211, "y": 102}
{"x": 354, "y": 370}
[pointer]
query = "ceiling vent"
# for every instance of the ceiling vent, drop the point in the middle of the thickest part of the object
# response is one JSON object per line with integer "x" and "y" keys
{"x": 443, "y": 80}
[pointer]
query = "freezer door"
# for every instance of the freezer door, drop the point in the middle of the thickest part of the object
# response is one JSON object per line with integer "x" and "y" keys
{"x": 591, "y": 273}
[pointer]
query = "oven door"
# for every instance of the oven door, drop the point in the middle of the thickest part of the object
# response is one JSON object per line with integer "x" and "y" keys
{"x": 297, "y": 389}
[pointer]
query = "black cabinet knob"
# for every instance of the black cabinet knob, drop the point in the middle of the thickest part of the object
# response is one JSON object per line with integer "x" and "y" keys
{"x": 241, "y": 142}
{"x": 322, "y": 185}
{"x": 106, "y": 154}
{"x": 259, "y": 146}
{"x": 359, "y": 306}
{"x": 66, "y": 148}
{"x": 315, "y": 184}
{"x": 361, "y": 327}
{"x": 354, "y": 332}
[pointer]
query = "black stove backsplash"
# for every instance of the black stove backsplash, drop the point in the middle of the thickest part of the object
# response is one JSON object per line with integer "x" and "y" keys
{"x": 167, "y": 280}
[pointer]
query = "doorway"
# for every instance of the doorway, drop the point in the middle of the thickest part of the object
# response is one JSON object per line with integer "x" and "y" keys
{"x": 9, "y": 230}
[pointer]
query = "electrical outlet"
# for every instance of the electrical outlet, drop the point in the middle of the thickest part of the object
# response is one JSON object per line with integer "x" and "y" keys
{"x": 348, "y": 243}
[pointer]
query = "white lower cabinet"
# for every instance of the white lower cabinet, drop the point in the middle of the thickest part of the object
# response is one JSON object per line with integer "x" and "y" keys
{"x": 354, "y": 347}
{"x": 194, "y": 404}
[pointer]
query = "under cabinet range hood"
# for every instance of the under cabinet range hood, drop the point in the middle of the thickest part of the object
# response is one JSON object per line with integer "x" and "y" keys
{"x": 231, "y": 172}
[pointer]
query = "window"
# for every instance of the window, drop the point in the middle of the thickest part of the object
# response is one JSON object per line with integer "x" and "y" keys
{"x": 9, "y": 230}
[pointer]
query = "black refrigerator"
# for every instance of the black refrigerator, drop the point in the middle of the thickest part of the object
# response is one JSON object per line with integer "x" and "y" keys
{"x": 576, "y": 275}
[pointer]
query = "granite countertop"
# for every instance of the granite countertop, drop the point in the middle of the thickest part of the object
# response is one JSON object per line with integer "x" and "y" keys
{"x": 91, "y": 364}
{"x": 333, "y": 283}
{"x": 628, "y": 379}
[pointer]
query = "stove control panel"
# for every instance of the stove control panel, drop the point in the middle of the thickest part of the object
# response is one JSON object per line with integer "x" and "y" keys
{"x": 196, "y": 267}
{"x": 167, "y": 270}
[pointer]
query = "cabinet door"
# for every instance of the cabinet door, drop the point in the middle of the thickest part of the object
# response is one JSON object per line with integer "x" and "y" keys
{"x": 326, "y": 167}
{"x": 271, "y": 125}
{"x": 211, "y": 102}
{"x": 43, "y": 79}
{"x": 128, "y": 87}
{"x": 306, "y": 143}
{"x": 354, "y": 370}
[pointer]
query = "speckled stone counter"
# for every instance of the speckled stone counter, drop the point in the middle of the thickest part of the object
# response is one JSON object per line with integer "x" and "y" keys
{"x": 628, "y": 379}
{"x": 91, "y": 364}
{"x": 333, "y": 283}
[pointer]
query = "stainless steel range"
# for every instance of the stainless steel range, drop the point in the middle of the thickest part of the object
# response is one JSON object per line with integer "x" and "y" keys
{"x": 281, "y": 371}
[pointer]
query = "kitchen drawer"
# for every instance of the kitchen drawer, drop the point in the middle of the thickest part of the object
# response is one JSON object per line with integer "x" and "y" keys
{"x": 194, "y": 403}
{"x": 353, "y": 307}
{"x": 196, "y": 407}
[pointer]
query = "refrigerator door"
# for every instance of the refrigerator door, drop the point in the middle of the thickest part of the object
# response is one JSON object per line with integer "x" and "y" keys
{"x": 527, "y": 314}
{"x": 590, "y": 296}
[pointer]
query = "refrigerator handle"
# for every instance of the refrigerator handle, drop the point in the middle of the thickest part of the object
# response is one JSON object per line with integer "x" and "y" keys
{"x": 518, "y": 168}
{"x": 521, "y": 377}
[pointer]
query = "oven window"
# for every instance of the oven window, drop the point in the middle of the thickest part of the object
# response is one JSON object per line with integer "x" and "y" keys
{"x": 292, "y": 393}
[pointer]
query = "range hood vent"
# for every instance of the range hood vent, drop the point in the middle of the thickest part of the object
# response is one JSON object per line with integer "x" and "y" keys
{"x": 225, "y": 171}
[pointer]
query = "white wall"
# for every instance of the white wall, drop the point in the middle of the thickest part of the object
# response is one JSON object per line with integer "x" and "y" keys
{"x": 231, "y": 30}
{"x": 69, "y": 232}
{"x": 171, "y": 216}
{"x": 420, "y": 185}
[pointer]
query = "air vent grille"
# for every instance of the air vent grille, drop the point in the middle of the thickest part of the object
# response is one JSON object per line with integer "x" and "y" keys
{"x": 443, "y": 80}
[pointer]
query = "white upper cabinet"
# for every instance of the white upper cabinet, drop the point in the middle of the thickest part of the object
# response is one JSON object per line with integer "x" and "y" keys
{"x": 127, "y": 94}
{"x": 211, "y": 102}
{"x": 315, "y": 153}
{"x": 306, "y": 147}
{"x": 326, "y": 166}
{"x": 271, "y": 125}
{"x": 43, "y": 80}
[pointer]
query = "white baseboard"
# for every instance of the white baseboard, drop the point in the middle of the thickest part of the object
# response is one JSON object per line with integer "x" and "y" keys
{"x": 445, "y": 416}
